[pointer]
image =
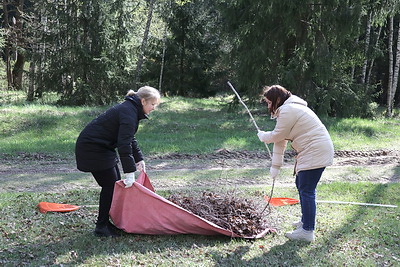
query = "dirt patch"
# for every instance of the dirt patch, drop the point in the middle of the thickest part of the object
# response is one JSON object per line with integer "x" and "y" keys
{"x": 38, "y": 172}
{"x": 46, "y": 163}
{"x": 363, "y": 158}
{"x": 343, "y": 157}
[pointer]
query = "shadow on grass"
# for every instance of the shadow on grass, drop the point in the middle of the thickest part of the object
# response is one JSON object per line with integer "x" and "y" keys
{"x": 364, "y": 221}
{"x": 352, "y": 242}
{"x": 28, "y": 237}
{"x": 396, "y": 175}
{"x": 46, "y": 182}
{"x": 36, "y": 239}
{"x": 82, "y": 247}
{"x": 280, "y": 255}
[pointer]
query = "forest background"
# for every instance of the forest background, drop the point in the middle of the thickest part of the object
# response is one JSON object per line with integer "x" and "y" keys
{"x": 342, "y": 56}
{"x": 73, "y": 58}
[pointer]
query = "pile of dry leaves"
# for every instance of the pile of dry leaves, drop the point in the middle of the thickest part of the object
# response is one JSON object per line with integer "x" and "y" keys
{"x": 239, "y": 215}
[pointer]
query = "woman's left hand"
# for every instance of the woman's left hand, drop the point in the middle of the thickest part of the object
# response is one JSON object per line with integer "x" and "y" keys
{"x": 274, "y": 171}
{"x": 141, "y": 166}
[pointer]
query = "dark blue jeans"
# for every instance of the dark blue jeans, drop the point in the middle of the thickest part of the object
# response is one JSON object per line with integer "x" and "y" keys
{"x": 306, "y": 183}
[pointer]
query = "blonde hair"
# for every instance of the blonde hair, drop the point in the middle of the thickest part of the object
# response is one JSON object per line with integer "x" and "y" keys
{"x": 146, "y": 93}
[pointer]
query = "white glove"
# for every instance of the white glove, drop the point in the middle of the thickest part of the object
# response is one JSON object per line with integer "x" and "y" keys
{"x": 130, "y": 179}
{"x": 273, "y": 171}
{"x": 263, "y": 136}
{"x": 141, "y": 166}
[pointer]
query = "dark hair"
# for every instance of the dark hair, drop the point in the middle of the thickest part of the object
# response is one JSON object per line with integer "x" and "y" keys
{"x": 277, "y": 95}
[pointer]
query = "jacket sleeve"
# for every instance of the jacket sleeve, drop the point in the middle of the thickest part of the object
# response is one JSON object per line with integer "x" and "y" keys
{"x": 137, "y": 153}
{"x": 127, "y": 127}
{"x": 278, "y": 153}
{"x": 284, "y": 124}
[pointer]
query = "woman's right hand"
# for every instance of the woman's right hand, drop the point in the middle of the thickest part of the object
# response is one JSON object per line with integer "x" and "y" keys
{"x": 263, "y": 136}
{"x": 129, "y": 179}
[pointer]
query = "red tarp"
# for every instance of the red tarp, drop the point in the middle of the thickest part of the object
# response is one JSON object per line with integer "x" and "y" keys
{"x": 140, "y": 210}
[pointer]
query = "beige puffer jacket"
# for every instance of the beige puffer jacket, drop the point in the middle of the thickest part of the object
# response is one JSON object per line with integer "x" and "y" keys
{"x": 300, "y": 125}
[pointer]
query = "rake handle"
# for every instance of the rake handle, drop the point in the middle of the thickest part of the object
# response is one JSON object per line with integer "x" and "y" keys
{"x": 241, "y": 101}
{"x": 356, "y": 203}
{"x": 258, "y": 129}
{"x": 248, "y": 111}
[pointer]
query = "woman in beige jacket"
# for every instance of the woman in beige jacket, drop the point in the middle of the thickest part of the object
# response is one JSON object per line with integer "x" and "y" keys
{"x": 297, "y": 123}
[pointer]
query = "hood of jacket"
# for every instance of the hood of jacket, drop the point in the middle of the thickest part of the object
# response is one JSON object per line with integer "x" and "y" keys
{"x": 138, "y": 104}
{"x": 293, "y": 99}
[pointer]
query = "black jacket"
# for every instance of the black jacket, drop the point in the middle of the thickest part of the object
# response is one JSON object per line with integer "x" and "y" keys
{"x": 114, "y": 129}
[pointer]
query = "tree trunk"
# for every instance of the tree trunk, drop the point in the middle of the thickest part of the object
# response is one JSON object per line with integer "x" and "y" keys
{"x": 182, "y": 67}
{"x": 390, "y": 82}
{"x": 144, "y": 43}
{"x": 7, "y": 48}
{"x": 397, "y": 66}
{"x": 8, "y": 67}
{"x": 41, "y": 57}
{"x": 371, "y": 64}
{"x": 163, "y": 59}
{"x": 31, "y": 88}
{"x": 18, "y": 69}
{"x": 182, "y": 55}
{"x": 366, "y": 48}
{"x": 393, "y": 68}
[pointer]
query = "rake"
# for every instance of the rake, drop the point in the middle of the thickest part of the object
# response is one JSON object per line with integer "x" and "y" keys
{"x": 283, "y": 201}
{"x": 258, "y": 129}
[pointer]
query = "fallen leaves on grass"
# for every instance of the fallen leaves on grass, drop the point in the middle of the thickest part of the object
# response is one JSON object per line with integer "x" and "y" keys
{"x": 239, "y": 215}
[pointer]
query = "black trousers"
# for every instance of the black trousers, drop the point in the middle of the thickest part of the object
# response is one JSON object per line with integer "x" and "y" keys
{"x": 106, "y": 179}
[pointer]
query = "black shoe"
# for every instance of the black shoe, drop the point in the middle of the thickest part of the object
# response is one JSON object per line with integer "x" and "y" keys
{"x": 104, "y": 231}
{"x": 113, "y": 227}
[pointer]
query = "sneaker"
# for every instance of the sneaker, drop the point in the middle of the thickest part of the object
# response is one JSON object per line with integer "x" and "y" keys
{"x": 104, "y": 231}
{"x": 297, "y": 224}
{"x": 301, "y": 234}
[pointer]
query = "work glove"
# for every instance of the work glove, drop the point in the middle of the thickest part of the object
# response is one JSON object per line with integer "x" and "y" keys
{"x": 141, "y": 166}
{"x": 263, "y": 136}
{"x": 274, "y": 171}
{"x": 130, "y": 179}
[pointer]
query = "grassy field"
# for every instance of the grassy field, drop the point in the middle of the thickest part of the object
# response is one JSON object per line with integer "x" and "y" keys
{"x": 179, "y": 125}
{"x": 346, "y": 235}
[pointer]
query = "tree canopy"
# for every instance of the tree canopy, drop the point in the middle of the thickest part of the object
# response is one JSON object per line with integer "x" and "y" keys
{"x": 340, "y": 55}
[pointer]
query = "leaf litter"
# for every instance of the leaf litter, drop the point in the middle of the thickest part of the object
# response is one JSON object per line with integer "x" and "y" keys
{"x": 242, "y": 216}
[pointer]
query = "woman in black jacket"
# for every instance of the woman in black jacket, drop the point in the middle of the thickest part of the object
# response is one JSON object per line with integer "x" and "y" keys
{"x": 96, "y": 146}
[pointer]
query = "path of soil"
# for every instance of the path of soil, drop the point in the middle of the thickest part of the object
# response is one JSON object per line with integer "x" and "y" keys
{"x": 342, "y": 158}
{"x": 44, "y": 163}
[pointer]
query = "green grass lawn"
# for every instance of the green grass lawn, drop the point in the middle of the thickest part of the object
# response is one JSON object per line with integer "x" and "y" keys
{"x": 180, "y": 125}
